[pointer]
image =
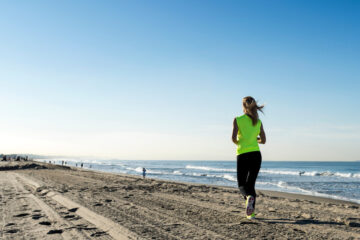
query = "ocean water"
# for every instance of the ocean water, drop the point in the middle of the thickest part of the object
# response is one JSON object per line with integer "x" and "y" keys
{"x": 338, "y": 180}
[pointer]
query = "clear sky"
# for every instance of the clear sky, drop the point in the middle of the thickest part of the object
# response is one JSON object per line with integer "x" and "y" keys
{"x": 164, "y": 79}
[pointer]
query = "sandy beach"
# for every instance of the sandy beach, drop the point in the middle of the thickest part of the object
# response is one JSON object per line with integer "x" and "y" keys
{"x": 44, "y": 201}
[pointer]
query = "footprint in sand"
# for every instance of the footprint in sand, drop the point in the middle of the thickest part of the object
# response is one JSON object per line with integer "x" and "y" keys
{"x": 98, "y": 234}
{"x": 84, "y": 227}
{"x": 55, "y": 231}
{"x": 22, "y": 215}
{"x": 36, "y": 216}
{"x": 46, "y": 223}
{"x": 12, "y": 231}
{"x": 73, "y": 209}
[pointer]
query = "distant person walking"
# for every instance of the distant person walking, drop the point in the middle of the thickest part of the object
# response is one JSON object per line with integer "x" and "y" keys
{"x": 144, "y": 172}
{"x": 248, "y": 132}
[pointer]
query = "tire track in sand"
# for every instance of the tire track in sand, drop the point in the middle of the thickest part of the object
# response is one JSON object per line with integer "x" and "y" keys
{"x": 113, "y": 229}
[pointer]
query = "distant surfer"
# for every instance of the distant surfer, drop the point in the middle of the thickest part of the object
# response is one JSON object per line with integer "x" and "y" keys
{"x": 301, "y": 173}
{"x": 144, "y": 172}
{"x": 248, "y": 132}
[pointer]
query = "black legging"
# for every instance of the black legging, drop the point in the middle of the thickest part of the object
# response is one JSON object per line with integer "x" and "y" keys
{"x": 248, "y": 166}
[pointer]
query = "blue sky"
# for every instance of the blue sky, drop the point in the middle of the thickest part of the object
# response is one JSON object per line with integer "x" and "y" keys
{"x": 164, "y": 79}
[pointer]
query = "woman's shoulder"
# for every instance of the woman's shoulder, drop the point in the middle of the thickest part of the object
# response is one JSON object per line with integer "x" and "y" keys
{"x": 241, "y": 117}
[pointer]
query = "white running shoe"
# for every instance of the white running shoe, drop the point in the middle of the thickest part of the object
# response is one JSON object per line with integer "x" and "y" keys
{"x": 249, "y": 205}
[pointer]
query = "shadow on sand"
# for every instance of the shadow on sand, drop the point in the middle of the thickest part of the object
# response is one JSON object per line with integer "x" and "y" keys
{"x": 299, "y": 222}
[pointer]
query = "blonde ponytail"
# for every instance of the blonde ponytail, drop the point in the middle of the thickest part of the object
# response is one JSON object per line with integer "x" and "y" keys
{"x": 251, "y": 109}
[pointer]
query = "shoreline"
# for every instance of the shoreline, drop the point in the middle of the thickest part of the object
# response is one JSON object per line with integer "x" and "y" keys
{"x": 60, "y": 202}
{"x": 319, "y": 199}
{"x": 333, "y": 199}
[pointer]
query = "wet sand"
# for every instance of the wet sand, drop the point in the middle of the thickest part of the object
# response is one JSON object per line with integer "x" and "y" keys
{"x": 44, "y": 201}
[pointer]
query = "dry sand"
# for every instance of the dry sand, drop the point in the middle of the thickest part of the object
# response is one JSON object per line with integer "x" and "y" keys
{"x": 44, "y": 201}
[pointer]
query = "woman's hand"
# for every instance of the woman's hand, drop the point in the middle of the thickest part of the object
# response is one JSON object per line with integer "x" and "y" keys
{"x": 262, "y": 138}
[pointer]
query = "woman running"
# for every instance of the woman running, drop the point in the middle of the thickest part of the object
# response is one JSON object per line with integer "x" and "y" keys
{"x": 246, "y": 131}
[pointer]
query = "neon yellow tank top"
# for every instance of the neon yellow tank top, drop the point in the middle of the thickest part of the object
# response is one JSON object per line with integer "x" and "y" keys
{"x": 247, "y": 135}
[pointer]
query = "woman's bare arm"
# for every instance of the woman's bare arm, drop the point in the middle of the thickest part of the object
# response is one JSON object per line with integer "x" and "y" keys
{"x": 262, "y": 138}
{"x": 234, "y": 132}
